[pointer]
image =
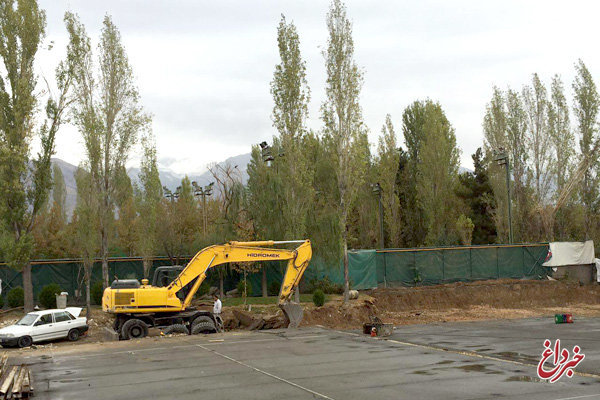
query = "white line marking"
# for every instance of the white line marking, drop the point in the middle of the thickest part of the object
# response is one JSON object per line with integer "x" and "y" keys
{"x": 579, "y": 397}
{"x": 265, "y": 373}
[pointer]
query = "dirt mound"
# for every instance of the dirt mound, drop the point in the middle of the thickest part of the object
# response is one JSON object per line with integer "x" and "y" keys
{"x": 460, "y": 302}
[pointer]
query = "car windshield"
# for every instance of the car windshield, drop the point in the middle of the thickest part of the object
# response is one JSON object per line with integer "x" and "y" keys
{"x": 27, "y": 320}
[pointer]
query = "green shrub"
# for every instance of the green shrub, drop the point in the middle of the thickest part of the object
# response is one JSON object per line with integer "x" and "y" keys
{"x": 47, "y": 296}
{"x": 273, "y": 288}
{"x": 96, "y": 293}
{"x": 325, "y": 285}
{"x": 318, "y": 297}
{"x": 15, "y": 297}
{"x": 240, "y": 288}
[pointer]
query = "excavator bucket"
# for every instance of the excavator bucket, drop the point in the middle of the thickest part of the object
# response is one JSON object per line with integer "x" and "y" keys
{"x": 293, "y": 314}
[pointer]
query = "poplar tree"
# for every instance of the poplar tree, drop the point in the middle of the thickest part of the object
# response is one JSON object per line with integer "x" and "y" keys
{"x": 563, "y": 146}
{"x": 127, "y": 230}
{"x": 149, "y": 195}
{"x": 586, "y": 105}
{"x": 496, "y": 139}
{"x": 516, "y": 134}
{"x": 59, "y": 190}
{"x": 535, "y": 100}
{"x": 438, "y": 176}
{"x": 413, "y": 120}
{"x": 25, "y": 181}
{"x": 108, "y": 115}
{"x": 291, "y": 96}
{"x": 86, "y": 221}
{"x": 342, "y": 116}
{"x": 388, "y": 158}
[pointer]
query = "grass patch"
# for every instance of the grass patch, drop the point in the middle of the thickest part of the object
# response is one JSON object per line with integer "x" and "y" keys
{"x": 236, "y": 301}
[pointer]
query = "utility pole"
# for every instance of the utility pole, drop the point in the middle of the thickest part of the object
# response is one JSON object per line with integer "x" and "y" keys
{"x": 204, "y": 192}
{"x": 502, "y": 159}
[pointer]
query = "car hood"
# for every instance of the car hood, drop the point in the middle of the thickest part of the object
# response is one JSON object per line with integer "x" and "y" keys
{"x": 74, "y": 311}
{"x": 16, "y": 330}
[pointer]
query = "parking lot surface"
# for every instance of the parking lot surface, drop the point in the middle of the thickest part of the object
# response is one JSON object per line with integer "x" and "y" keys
{"x": 477, "y": 360}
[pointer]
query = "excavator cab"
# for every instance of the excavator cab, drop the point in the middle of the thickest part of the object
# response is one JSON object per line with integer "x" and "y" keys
{"x": 164, "y": 275}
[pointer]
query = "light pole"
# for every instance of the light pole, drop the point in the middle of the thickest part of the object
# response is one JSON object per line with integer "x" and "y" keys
{"x": 502, "y": 159}
{"x": 377, "y": 190}
{"x": 171, "y": 195}
{"x": 204, "y": 192}
{"x": 265, "y": 150}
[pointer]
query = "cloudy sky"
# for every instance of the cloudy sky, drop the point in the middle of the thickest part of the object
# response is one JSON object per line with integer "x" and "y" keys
{"x": 204, "y": 67}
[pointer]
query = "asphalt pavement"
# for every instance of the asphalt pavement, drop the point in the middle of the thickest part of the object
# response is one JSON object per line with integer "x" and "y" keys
{"x": 475, "y": 360}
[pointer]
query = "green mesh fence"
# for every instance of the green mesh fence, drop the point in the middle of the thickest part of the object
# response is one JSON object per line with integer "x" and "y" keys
{"x": 367, "y": 268}
{"x": 428, "y": 266}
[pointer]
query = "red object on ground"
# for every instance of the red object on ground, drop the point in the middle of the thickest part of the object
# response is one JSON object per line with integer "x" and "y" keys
{"x": 569, "y": 318}
{"x": 373, "y": 332}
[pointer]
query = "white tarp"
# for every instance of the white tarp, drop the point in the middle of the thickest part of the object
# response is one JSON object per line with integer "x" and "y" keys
{"x": 570, "y": 253}
{"x": 597, "y": 261}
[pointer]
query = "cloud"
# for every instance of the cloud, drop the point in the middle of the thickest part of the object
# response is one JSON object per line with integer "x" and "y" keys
{"x": 204, "y": 68}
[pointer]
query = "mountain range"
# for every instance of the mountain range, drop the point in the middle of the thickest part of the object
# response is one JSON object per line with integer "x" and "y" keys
{"x": 168, "y": 178}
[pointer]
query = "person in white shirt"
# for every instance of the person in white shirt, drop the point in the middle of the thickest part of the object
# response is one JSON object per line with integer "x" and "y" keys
{"x": 217, "y": 311}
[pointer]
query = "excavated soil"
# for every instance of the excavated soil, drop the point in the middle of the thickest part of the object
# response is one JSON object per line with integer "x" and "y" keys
{"x": 503, "y": 299}
{"x": 486, "y": 300}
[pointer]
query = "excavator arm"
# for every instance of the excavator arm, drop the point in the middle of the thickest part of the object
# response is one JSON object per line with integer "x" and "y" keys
{"x": 195, "y": 271}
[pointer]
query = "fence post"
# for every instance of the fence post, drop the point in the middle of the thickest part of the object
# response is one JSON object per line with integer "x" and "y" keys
{"x": 471, "y": 262}
{"x": 443, "y": 265}
{"x": 384, "y": 270}
{"x": 497, "y": 264}
{"x": 415, "y": 273}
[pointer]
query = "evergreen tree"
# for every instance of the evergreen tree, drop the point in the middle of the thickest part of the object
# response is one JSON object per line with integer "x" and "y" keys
{"x": 476, "y": 191}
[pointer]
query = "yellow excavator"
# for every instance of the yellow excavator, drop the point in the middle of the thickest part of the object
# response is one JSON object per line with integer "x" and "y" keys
{"x": 166, "y": 303}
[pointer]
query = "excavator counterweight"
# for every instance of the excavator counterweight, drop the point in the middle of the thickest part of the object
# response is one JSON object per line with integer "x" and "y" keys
{"x": 138, "y": 306}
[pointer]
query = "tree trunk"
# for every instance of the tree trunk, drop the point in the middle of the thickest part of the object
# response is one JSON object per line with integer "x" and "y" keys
{"x": 147, "y": 265}
{"x": 104, "y": 251}
{"x": 27, "y": 288}
{"x": 264, "y": 282}
{"x": 88, "y": 306}
{"x": 346, "y": 273}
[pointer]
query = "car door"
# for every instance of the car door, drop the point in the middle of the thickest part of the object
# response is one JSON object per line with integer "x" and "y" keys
{"x": 62, "y": 324}
{"x": 43, "y": 328}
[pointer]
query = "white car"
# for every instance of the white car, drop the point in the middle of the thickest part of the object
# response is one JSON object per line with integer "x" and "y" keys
{"x": 39, "y": 326}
